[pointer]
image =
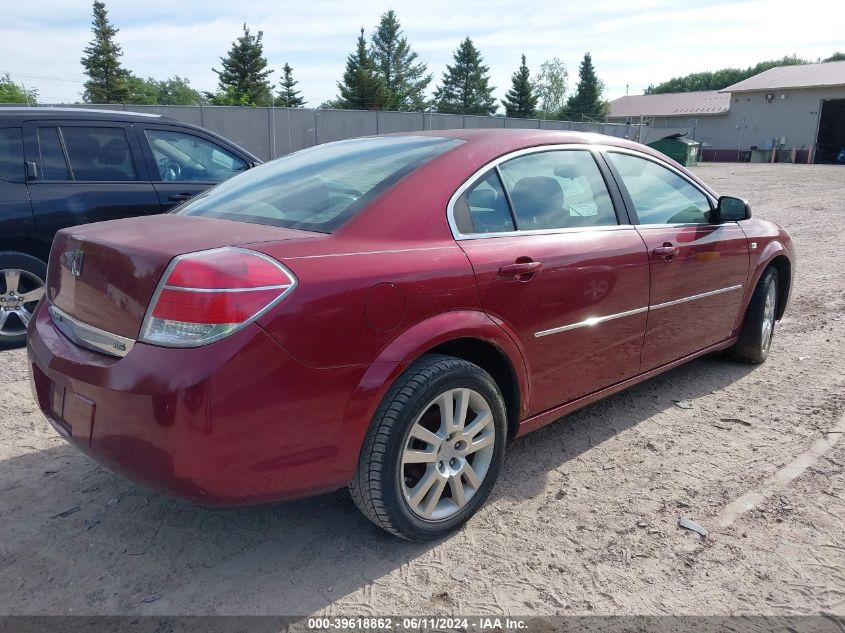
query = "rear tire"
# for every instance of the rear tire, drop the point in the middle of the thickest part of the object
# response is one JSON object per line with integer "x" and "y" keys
{"x": 434, "y": 450}
{"x": 755, "y": 336}
{"x": 21, "y": 287}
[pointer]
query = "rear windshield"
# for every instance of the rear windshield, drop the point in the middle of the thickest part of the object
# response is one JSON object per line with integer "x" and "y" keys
{"x": 318, "y": 189}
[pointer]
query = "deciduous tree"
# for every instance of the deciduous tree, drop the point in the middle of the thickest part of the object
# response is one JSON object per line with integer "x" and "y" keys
{"x": 550, "y": 87}
{"x": 722, "y": 78}
{"x": 10, "y": 92}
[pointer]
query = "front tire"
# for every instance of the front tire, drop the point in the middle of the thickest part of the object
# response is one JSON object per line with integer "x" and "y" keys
{"x": 21, "y": 287}
{"x": 434, "y": 450}
{"x": 755, "y": 336}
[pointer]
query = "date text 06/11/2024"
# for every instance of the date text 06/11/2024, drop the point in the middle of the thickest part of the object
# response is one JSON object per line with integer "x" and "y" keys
{"x": 434, "y": 623}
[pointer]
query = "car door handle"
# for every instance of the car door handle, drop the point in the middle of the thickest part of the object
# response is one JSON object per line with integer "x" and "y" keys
{"x": 667, "y": 251}
{"x": 178, "y": 197}
{"x": 519, "y": 269}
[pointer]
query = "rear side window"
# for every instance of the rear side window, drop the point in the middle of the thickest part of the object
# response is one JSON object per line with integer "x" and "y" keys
{"x": 660, "y": 196}
{"x": 318, "y": 189}
{"x": 11, "y": 155}
{"x": 51, "y": 155}
{"x": 184, "y": 157}
{"x": 99, "y": 153}
{"x": 557, "y": 190}
{"x": 484, "y": 208}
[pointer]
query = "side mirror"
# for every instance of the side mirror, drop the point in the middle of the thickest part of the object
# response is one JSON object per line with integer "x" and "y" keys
{"x": 730, "y": 209}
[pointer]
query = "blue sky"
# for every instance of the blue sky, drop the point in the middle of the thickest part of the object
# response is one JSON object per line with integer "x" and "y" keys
{"x": 633, "y": 42}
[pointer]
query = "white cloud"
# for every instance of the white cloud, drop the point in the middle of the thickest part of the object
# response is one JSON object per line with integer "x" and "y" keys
{"x": 633, "y": 42}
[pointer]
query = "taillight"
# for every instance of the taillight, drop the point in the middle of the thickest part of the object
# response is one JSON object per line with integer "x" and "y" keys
{"x": 205, "y": 296}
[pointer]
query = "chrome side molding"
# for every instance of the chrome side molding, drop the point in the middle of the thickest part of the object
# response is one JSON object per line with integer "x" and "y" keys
{"x": 89, "y": 336}
{"x": 619, "y": 315}
{"x": 589, "y": 322}
{"x": 695, "y": 297}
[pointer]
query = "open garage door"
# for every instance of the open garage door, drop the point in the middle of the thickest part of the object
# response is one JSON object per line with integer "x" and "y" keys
{"x": 831, "y": 139}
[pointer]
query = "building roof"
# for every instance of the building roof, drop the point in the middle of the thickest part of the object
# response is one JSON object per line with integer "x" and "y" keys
{"x": 671, "y": 104}
{"x": 799, "y": 76}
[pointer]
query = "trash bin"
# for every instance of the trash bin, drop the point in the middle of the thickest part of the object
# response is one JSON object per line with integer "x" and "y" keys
{"x": 678, "y": 148}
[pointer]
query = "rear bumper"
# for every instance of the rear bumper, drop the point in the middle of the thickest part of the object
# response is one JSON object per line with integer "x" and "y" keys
{"x": 236, "y": 422}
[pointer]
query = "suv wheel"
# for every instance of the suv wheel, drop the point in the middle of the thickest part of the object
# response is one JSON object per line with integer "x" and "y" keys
{"x": 21, "y": 287}
{"x": 434, "y": 451}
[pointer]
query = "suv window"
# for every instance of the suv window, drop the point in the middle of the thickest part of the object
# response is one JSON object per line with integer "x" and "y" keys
{"x": 557, "y": 189}
{"x": 51, "y": 155}
{"x": 11, "y": 155}
{"x": 99, "y": 153}
{"x": 660, "y": 196}
{"x": 182, "y": 157}
{"x": 483, "y": 208}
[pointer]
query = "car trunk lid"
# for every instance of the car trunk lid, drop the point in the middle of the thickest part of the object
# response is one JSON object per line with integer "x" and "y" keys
{"x": 105, "y": 274}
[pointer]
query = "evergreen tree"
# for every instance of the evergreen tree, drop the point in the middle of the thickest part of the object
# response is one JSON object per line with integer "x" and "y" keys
{"x": 465, "y": 85}
{"x": 405, "y": 79}
{"x": 520, "y": 100}
{"x": 288, "y": 97}
{"x": 587, "y": 101}
{"x": 107, "y": 79}
{"x": 361, "y": 88}
{"x": 10, "y": 92}
{"x": 243, "y": 78}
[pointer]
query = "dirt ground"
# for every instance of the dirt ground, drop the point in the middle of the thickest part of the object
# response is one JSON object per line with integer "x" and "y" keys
{"x": 583, "y": 519}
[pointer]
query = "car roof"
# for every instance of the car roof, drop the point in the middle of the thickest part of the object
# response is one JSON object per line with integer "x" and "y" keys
{"x": 486, "y": 144}
{"x": 507, "y": 140}
{"x": 17, "y": 114}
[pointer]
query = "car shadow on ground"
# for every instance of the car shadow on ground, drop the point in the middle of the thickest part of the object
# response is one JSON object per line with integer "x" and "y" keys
{"x": 92, "y": 542}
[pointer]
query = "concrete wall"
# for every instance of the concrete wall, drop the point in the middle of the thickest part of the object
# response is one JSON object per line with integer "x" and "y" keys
{"x": 272, "y": 132}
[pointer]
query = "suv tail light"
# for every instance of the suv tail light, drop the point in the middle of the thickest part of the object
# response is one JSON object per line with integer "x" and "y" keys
{"x": 205, "y": 296}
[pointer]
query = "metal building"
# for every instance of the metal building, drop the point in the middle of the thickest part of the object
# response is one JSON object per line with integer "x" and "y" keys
{"x": 700, "y": 114}
{"x": 788, "y": 113}
{"x": 792, "y": 108}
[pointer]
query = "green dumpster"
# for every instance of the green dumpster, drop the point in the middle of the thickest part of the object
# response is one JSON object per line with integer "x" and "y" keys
{"x": 678, "y": 148}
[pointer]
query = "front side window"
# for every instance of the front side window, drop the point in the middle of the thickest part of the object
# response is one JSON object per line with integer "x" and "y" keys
{"x": 557, "y": 190}
{"x": 182, "y": 157}
{"x": 99, "y": 153}
{"x": 11, "y": 155}
{"x": 483, "y": 208}
{"x": 660, "y": 196}
{"x": 320, "y": 188}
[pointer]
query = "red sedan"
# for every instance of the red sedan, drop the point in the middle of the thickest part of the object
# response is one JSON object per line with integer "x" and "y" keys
{"x": 386, "y": 313}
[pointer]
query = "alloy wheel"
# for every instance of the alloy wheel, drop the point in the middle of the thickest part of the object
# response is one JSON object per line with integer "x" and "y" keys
{"x": 768, "y": 324}
{"x": 20, "y": 292}
{"x": 447, "y": 454}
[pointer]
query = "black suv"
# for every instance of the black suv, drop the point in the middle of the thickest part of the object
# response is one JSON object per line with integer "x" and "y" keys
{"x": 65, "y": 166}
